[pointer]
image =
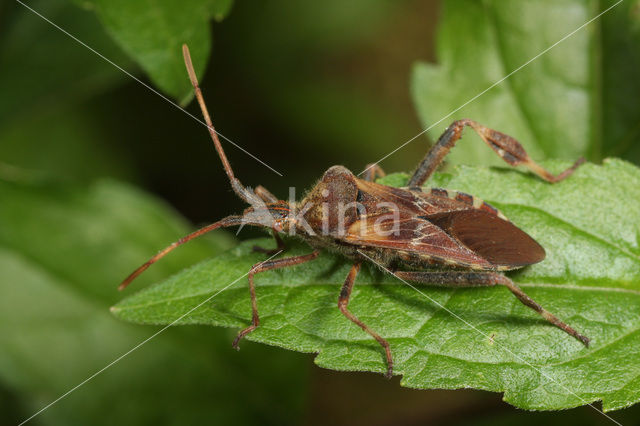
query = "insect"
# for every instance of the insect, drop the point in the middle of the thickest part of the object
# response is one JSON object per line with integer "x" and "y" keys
{"x": 432, "y": 236}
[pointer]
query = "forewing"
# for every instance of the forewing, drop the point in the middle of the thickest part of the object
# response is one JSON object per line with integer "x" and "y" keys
{"x": 419, "y": 201}
{"x": 371, "y": 195}
{"x": 412, "y": 234}
{"x": 497, "y": 240}
{"x": 450, "y": 225}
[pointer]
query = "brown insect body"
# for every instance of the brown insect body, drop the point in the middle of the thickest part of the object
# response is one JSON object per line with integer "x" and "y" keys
{"x": 434, "y": 227}
{"x": 434, "y": 236}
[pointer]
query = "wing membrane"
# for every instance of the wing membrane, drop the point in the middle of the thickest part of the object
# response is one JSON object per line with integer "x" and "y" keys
{"x": 412, "y": 234}
{"x": 497, "y": 240}
{"x": 442, "y": 224}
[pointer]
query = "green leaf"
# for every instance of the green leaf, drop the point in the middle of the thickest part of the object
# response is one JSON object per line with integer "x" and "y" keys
{"x": 63, "y": 251}
{"x": 50, "y": 107}
{"x": 588, "y": 225}
{"x": 566, "y": 103}
{"x": 30, "y": 45}
{"x": 152, "y": 33}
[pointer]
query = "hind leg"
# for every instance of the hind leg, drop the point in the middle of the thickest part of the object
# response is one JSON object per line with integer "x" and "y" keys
{"x": 343, "y": 303}
{"x": 509, "y": 149}
{"x": 471, "y": 279}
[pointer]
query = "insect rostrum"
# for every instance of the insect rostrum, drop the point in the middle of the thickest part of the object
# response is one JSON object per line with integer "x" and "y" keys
{"x": 432, "y": 236}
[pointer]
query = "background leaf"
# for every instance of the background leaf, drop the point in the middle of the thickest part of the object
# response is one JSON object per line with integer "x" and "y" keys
{"x": 46, "y": 81}
{"x": 63, "y": 250}
{"x": 591, "y": 278}
{"x": 564, "y": 104}
{"x": 153, "y": 31}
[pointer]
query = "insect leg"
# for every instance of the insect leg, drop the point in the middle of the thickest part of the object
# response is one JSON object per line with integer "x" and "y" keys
{"x": 280, "y": 246}
{"x": 372, "y": 172}
{"x": 222, "y": 223}
{"x": 504, "y": 145}
{"x": 343, "y": 302}
{"x": 265, "y": 194}
{"x": 471, "y": 279}
{"x": 262, "y": 267}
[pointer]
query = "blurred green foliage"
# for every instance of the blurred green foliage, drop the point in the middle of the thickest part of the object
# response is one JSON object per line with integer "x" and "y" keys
{"x": 152, "y": 33}
{"x": 45, "y": 81}
{"x": 61, "y": 257}
{"x": 302, "y": 85}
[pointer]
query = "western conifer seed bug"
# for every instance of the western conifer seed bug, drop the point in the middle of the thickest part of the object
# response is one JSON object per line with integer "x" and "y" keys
{"x": 432, "y": 236}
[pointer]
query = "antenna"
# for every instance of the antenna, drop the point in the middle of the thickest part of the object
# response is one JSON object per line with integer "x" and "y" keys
{"x": 222, "y": 223}
{"x": 242, "y": 192}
